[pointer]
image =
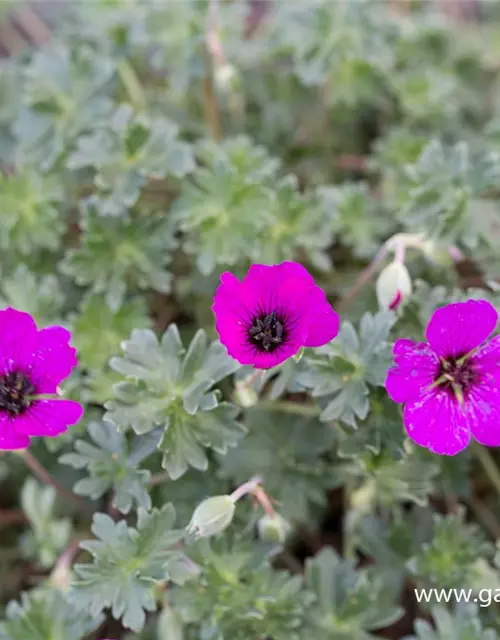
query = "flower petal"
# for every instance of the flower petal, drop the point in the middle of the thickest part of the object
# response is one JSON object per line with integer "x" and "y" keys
{"x": 48, "y": 417}
{"x": 456, "y": 329}
{"x": 10, "y": 438}
{"x": 230, "y": 300}
{"x": 323, "y": 321}
{"x": 484, "y": 416}
{"x": 263, "y": 360}
{"x": 437, "y": 422}
{"x": 417, "y": 368}
{"x": 287, "y": 289}
{"x": 17, "y": 332}
{"x": 278, "y": 273}
{"x": 486, "y": 360}
{"x": 52, "y": 356}
{"x": 281, "y": 286}
{"x": 483, "y": 401}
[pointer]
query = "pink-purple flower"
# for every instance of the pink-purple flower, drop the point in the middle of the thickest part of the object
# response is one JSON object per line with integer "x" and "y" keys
{"x": 273, "y": 312}
{"x": 451, "y": 384}
{"x": 32, "y": 364}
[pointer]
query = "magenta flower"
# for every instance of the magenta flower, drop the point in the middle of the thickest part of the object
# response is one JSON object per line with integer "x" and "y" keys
{"x": 451, "y": 384}
{"x": 272, "y": 313}
{"x": 32, "y": 364}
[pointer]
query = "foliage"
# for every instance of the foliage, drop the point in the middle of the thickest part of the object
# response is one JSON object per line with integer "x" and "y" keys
{"x": 127, "y": 565}
{"x": 145, "y": 149}
{"x": 111, "y": 468}
{"x": 339, "y": 372}
{"x": 49, "y": 535}
{"x": 169, "y": 387}
{"x": 43, "y": 614}
{"x": 464, "y": 624}
{"x": 241, "y": 595}
{"x": 349, "y": 603}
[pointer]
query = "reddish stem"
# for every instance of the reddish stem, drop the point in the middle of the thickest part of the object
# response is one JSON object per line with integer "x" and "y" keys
{"x": 43, "y": 475}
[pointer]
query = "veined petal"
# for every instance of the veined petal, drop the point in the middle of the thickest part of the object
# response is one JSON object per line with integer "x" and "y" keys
{"x": 483, "y": 412}
{"x": 456, "y": 329}
{"x": 438, "y": 422}
{"x": 17, "y": 333}
{"x": 323, "y": 322}
{"x": 52, "y": 357}
{"x": 417, "y": 368}
{"x": 10, "y": 438}
{"x": 49, "y": 417}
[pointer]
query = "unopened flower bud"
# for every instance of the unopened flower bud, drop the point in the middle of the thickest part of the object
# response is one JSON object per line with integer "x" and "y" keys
{"x": 61, "y": 577}
{"x": 362, "y": 499}
{"x": 227, "y": 77}
{"x": 170, "y": 625}
{"x": 393, "y": 286}
{"x": 211, "y": 516}
{"x": 245, "y": 395}
{"x": 273, "y": 528}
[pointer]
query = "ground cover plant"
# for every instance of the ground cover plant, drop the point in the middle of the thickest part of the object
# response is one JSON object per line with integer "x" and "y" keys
{"x": 249, "y": 296}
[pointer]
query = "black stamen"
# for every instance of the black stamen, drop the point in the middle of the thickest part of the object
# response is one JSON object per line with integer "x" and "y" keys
{"x": 267, "y": 332}
{"x": 15, "y": 393}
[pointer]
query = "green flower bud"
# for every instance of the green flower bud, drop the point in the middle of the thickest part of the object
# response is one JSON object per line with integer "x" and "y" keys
{"x": 170, "y": 625}
{"x": 393, "y": 286}
{"x": 273, "y": 529}
{"x": 227, "y": 78}
{"x": 245, "y": 395}
{"x": 211, "y": 516}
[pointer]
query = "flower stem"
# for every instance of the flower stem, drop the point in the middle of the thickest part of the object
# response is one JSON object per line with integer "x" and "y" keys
{"x": 246, "y": 488}
{"x": 253, "y": 487}
{"x": 286, "y": 406}
{"x": 42, "y": 474}
{"x": 132, "y": 85}
{"x": 253, "y": 377}
{"x": 483, "y": 514}
{"x": 158, "y": 478}
{"x": 488, "y": 464}
{"x": 61, "y": 574}
{"x": 364, "y": 277}
{"x": 212, "y": 53}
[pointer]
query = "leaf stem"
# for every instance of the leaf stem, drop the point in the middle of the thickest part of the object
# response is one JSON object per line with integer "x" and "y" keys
{"x": 490, "y": 468}
{"x": 42, "y": 474}
{"x": 132, "y": 85}
{"x": 212, "y": 53}
{"x": 364, "y": 277}
{"x": 254, "y": 488}
{"x": 285, "y": 406}
{"x": 158, "y": 478}
{"x": 482, "y": 513}
{"x": 61, "y": 574}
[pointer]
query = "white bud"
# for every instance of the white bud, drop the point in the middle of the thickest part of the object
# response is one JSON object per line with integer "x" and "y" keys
{"x": 393, "y": 286}
{"x": 362, "y": 499}
{"x": 226, "y": 77}
{"x": 245, "y": 395}
{"x": 273, "y": 528}
{"x": 170, "y": 625}
{"x": 211, "y": 516}
{"x": 61, "y": 577}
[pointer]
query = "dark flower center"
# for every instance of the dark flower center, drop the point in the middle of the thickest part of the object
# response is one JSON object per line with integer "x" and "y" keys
{"x": 267, "y": 332}
{"x": 16, "y": 393}
{"x": 457, "y": 374}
